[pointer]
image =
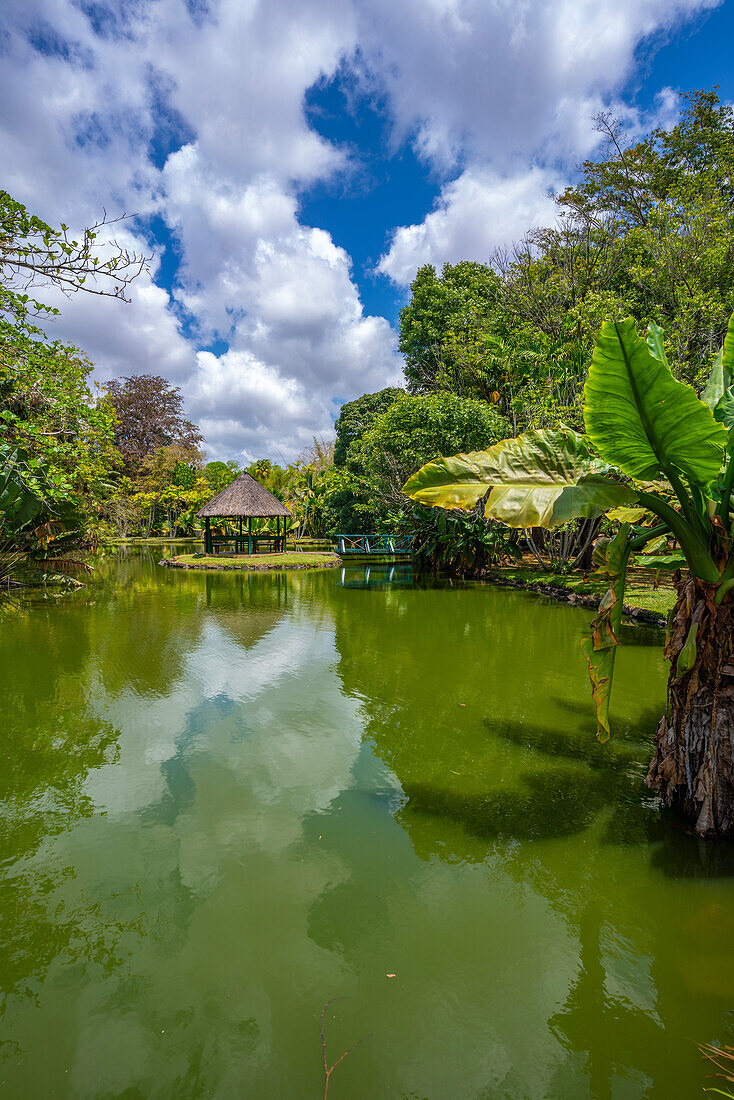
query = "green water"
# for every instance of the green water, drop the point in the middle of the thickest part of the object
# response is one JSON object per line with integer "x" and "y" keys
{"x": 229, "y": 798}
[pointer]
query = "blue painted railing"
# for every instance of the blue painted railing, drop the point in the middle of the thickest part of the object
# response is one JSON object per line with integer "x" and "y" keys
{"x": 369, "y": 545}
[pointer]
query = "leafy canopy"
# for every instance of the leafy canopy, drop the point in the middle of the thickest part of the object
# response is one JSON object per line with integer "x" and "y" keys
{"x": 356, "y": 417}
{"x": 48, "y": 412}
{"x": 411, "y": 431}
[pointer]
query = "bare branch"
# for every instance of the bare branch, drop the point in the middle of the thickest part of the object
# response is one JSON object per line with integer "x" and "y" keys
{"x": 32, "y": 254}
{"x": 328, "y": 1070}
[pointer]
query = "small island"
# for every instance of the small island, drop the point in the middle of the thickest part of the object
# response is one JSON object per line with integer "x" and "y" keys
{"x": 292, "y": 559}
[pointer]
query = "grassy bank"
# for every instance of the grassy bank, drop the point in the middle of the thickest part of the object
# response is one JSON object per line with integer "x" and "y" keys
{"x": 641, "y": 590}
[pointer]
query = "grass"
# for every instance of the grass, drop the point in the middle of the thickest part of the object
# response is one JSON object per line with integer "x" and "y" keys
{"x": 640, "y": 591}
{"x": 303, "y": 559}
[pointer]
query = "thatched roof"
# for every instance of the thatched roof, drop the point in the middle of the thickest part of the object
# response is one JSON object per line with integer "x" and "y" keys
{"x": 244, "y": 497}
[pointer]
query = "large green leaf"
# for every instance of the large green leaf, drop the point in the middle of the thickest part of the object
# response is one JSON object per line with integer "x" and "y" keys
{"x": 19, "y": 501}
{"x": 661, "y": 561}
{"x": 640, "y": 418}
{"x": 627, "y": 514}
{"x": 656, "y": 342}
{"x": 718, "y": 394}
{"x": 728, "y": 349}
{"x": 724, "y": 411}
{"x": 540, "y": 479}
{"x": 717, "y": 382}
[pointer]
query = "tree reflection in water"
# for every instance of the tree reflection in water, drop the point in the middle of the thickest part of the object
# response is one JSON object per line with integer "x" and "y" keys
{"x": 514, "y": 780}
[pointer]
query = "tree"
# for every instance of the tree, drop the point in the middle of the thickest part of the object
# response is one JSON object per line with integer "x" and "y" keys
{"x": 149, "y": 413}
{"x": 647, "y": 232}
{"x": 46, "y": 406}
{"x": 647, "y": 427}
{"x": 48, "y": 410}
{"x": 319, "y": 455}
{"x": 260, "y": 469}
{"x": 626, "y": 182}
{"x": 344, "y": 507}
{"x": 357, "y": 416}
{"x": 169, "y": 485}
{"x": 413, "y": 430}
{"x": 445, "y": 327}
{"x": 305, "y": 485}
{"x": 218, "y": 475}
{"x": 662, "y": 209}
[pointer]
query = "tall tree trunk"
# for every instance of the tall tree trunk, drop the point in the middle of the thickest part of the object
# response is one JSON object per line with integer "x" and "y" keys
{"x": 693, "y": 766}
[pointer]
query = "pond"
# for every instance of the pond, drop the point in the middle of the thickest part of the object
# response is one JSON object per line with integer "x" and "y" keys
{"x": 229, "y": 798}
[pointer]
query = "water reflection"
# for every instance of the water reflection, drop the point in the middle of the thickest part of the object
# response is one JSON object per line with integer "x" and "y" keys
{"x": 392, "y": 575}
{"x": 489, "y": 746}
{"x": 234, "y": 796}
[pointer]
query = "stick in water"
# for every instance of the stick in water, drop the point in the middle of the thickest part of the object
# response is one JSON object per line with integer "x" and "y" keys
{"x": 328, "y": 1070}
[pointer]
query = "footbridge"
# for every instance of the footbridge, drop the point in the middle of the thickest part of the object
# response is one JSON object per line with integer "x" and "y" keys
{"x": 394, "y": 547}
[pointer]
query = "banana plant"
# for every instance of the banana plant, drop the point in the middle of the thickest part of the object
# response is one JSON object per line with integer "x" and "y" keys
{"x": 21, "y": 498}
{"x": 33, "y": 538}
{"x": 652, "y": 448}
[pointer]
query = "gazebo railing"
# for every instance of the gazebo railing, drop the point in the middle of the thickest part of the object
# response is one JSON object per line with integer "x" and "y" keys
{"x": 257, "y": 544}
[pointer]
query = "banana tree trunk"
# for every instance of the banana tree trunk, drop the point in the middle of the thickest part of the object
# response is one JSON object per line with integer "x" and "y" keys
{"x": 693, "y": 766}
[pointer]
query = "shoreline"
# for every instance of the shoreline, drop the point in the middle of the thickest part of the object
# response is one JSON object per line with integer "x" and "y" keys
{"x": 306, "y": 560}
{"x": 566, "y": 595}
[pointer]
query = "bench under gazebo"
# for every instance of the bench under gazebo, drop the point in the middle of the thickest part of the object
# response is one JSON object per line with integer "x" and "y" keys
{"x": 245, "y": 499}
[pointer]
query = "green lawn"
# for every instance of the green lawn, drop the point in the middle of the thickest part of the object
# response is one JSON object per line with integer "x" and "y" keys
{"x": 291, "y": 560}
{"x": 640, "y": 591}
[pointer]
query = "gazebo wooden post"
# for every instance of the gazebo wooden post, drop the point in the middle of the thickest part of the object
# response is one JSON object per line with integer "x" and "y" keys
{"x": 238, "y": 546}
{"x": 249, "y": 535}
{"x": 207, "y": 536}
{"x": 277, "y": 534}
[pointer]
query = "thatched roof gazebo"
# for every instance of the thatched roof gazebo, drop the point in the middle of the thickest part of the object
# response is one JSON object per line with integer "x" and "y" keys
{"x": 246, "y": 499}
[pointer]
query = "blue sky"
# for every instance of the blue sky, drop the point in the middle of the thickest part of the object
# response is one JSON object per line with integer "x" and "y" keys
{"x": 292, "y": 163}
{"x": 396, "y": 188}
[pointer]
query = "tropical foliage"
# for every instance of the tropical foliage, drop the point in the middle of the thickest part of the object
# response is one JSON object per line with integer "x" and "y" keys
{"x": 358, "y": 416}
{"x": 56, "y": 434}
{"x": 459, "y": 542}
{"x": 38, "y": 535}
{"x": 366, "y": 492}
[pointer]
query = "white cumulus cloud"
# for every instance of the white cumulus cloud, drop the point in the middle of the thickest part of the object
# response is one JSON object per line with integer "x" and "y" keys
{"x": 476, "y": 213}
